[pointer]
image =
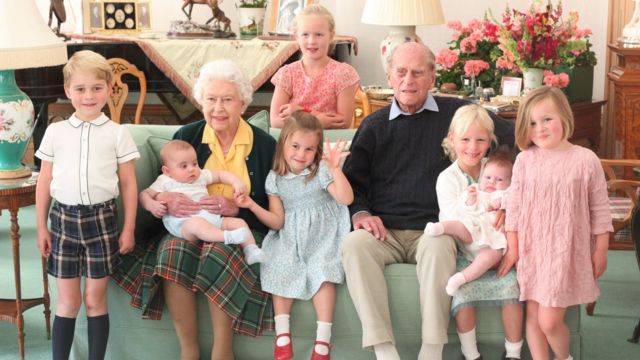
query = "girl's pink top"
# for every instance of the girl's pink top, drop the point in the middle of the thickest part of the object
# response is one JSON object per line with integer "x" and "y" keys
{"x": 557, "y": 202}
{"x": 319, "y": 93}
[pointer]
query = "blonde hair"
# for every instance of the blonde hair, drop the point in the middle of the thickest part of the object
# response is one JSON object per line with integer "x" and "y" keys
{"x": 298, "y": 121}
{"x": 318, "y": 10}
{"x": 523, "y": 120}
{"x": 87, "y": 61}
{"x": 462, "y": 120}
{"x": 172, "y": 147}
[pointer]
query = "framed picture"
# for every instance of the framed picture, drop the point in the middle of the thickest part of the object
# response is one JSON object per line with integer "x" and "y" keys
{"x": 120, "y": 16}
{"x": 96, "y": 19}
{"x": 511, "y": 86}
{"x": 282, "y": 14}
{"x": 144, "y": 15}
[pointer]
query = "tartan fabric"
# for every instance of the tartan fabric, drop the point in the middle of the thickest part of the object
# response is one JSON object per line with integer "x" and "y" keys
{"x": 214, "y": 269}
{"x": 84, "y": 240}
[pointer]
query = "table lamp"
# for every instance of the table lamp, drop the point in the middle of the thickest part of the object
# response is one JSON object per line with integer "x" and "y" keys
{"x": 402, "y": 16}
{"x": 25, "y": 42}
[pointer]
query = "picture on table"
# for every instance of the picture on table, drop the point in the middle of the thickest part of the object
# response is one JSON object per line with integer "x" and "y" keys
{"x": 282, "y": 14}
{"x": 511, "y": 86}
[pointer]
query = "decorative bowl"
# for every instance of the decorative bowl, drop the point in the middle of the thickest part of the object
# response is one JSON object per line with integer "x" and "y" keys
{"x": 379, "y": 94}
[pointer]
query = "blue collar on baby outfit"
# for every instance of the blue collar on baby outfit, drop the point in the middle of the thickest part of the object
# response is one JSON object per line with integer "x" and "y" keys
{"x": 429, "y": 104}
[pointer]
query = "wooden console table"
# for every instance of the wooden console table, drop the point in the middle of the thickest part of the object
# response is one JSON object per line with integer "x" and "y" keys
{"x": 14, "y": 194}
{"x": 587, "y": 116}
{"x": 625, "y": 76}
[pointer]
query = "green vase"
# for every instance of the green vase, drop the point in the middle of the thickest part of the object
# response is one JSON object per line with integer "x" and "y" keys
{"x": 580, "y": 83}
{"x": 16, "y": 124}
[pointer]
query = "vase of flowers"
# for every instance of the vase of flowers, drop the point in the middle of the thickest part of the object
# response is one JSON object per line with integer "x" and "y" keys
{"x": 472, "y": 54}
{"x": 544, "y": 38}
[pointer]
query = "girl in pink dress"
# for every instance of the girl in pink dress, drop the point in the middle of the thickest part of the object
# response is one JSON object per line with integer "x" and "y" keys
{"x": 558, "y": 220}
{"x": 316, "y": 83}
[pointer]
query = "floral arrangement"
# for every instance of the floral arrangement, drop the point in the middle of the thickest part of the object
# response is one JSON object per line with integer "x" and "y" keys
{"x": 253, "y": 3}
{"x": 472, "y": 53}
{"x": 543, "y": 38}
{"x": 490, "y": 49}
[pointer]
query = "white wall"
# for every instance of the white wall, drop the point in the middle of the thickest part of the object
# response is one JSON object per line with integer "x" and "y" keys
{"x": 348, "y": 12}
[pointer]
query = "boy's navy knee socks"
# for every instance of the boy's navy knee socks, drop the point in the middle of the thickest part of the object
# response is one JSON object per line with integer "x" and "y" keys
{"x": 62, "y": 337}
{"x": 98, "y": 334}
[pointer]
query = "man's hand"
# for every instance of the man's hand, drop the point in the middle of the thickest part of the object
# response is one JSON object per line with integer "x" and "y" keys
{"x": 370, "y": 223}
{"x": 157, "y": 208}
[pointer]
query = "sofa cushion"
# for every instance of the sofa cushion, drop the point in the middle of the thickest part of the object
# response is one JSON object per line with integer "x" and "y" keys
{"x": 260, "y": 120}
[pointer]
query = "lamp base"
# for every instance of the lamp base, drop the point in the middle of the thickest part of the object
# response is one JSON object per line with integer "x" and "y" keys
{"x": 397, "y": 35}
{"x": 14, "y": 174}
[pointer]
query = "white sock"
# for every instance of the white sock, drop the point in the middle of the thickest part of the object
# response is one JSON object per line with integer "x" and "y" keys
{"x": 569, "y": 358}
{"x": 253, "y": 254}
{"x": 454, "y": 283}
{"x": 282, "y": 327}
{"x": 323, "y": 334}
{"x": 513, "y": 349}
{"x": 468, "y": 344}
{"x": 386, "y": 351}
{"x": 430, "y": 351}
{"x": 235, "y": 237}
{"x": 434, "y": 229}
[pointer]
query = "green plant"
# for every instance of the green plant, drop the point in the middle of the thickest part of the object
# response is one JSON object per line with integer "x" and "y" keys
{"x": 253, "y": 4}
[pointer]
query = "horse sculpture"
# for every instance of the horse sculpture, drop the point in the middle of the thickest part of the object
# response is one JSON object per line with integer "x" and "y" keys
{"x": 57, "y": 8}
{"x": 217, "y": 14}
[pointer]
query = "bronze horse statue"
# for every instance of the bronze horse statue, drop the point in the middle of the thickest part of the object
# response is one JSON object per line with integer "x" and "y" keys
{"x": 217, "y": 14}
{"x": 57, "y": 8}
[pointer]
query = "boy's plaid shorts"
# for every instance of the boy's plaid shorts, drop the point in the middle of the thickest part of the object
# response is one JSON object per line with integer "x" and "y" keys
{"x": 84, "y": 240}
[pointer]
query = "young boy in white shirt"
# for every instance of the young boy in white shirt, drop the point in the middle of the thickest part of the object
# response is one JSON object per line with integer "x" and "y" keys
{"x": 87, "y": 161}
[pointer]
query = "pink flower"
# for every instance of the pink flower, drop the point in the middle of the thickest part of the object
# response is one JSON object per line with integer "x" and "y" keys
{"x": 447, "y": 58}
{"x": 560, "y": 80}
{"x": 468, "y": 45}
{"x": 475, "y": 67}
{"x": 454, "y": 25}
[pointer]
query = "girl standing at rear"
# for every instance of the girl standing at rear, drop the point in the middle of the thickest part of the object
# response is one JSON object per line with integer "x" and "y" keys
{"x": 308, "y": 216}
{"x": 316, "y": 83}
{"x": 558, "y": 220}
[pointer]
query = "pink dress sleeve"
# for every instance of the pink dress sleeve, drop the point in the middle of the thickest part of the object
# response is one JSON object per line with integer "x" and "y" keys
{"x": 599, "y": 209}
{"x": 283, "y": 79}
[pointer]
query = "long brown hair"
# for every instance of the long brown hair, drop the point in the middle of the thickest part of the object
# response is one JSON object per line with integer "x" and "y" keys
{"x": 298, "y": 121}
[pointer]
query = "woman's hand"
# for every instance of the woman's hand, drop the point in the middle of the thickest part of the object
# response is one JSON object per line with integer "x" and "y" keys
{"x": 599, "y": 260}
{"x": 288, "y": 109}
{"x": 219, "y": 205}
{"x": 370, "y": 223}
{"x": 509, "y": 259}
{"x": 178, "y": 205}
{"x": 334, "y": 155}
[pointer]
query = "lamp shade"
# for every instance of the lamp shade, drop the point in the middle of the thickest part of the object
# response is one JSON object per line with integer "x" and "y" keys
{"x": 401, "y": 16}
{"x": 402, "y": 12}
{"x": 25, "y": 40}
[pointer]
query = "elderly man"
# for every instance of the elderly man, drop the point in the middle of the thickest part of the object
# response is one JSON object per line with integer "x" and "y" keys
{"x": 396, "y": 157}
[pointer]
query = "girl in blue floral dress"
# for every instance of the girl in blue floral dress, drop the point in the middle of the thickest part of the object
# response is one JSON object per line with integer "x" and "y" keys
{"x": 308, "y": 216}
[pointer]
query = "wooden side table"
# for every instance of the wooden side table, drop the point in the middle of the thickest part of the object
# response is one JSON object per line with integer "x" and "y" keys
{"x": 14, "y": 194}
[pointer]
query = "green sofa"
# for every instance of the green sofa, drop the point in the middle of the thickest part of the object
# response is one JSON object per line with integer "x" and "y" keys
{"x": 134, "y": 338}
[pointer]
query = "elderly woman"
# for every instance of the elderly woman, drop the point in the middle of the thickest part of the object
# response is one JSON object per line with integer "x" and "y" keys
{"x": 223, "y": 141}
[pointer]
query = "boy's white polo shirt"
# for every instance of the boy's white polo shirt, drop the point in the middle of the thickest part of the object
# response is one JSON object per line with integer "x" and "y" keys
{"x": 85, "y": 157}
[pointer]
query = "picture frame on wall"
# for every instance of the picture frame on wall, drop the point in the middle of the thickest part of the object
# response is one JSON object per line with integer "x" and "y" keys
{"x": 282, "y": 14}
{"x": 120, "y": 16}
{"x": 96, "y": 17}
{"x": 511, "y": 86}
{"x": 144, "y": 15}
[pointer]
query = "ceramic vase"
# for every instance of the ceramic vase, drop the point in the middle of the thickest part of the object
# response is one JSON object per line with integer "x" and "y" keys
{"x": 532, "y": 78}
{"x": 16, "y": 126}
{"x": 251, "y": 22}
